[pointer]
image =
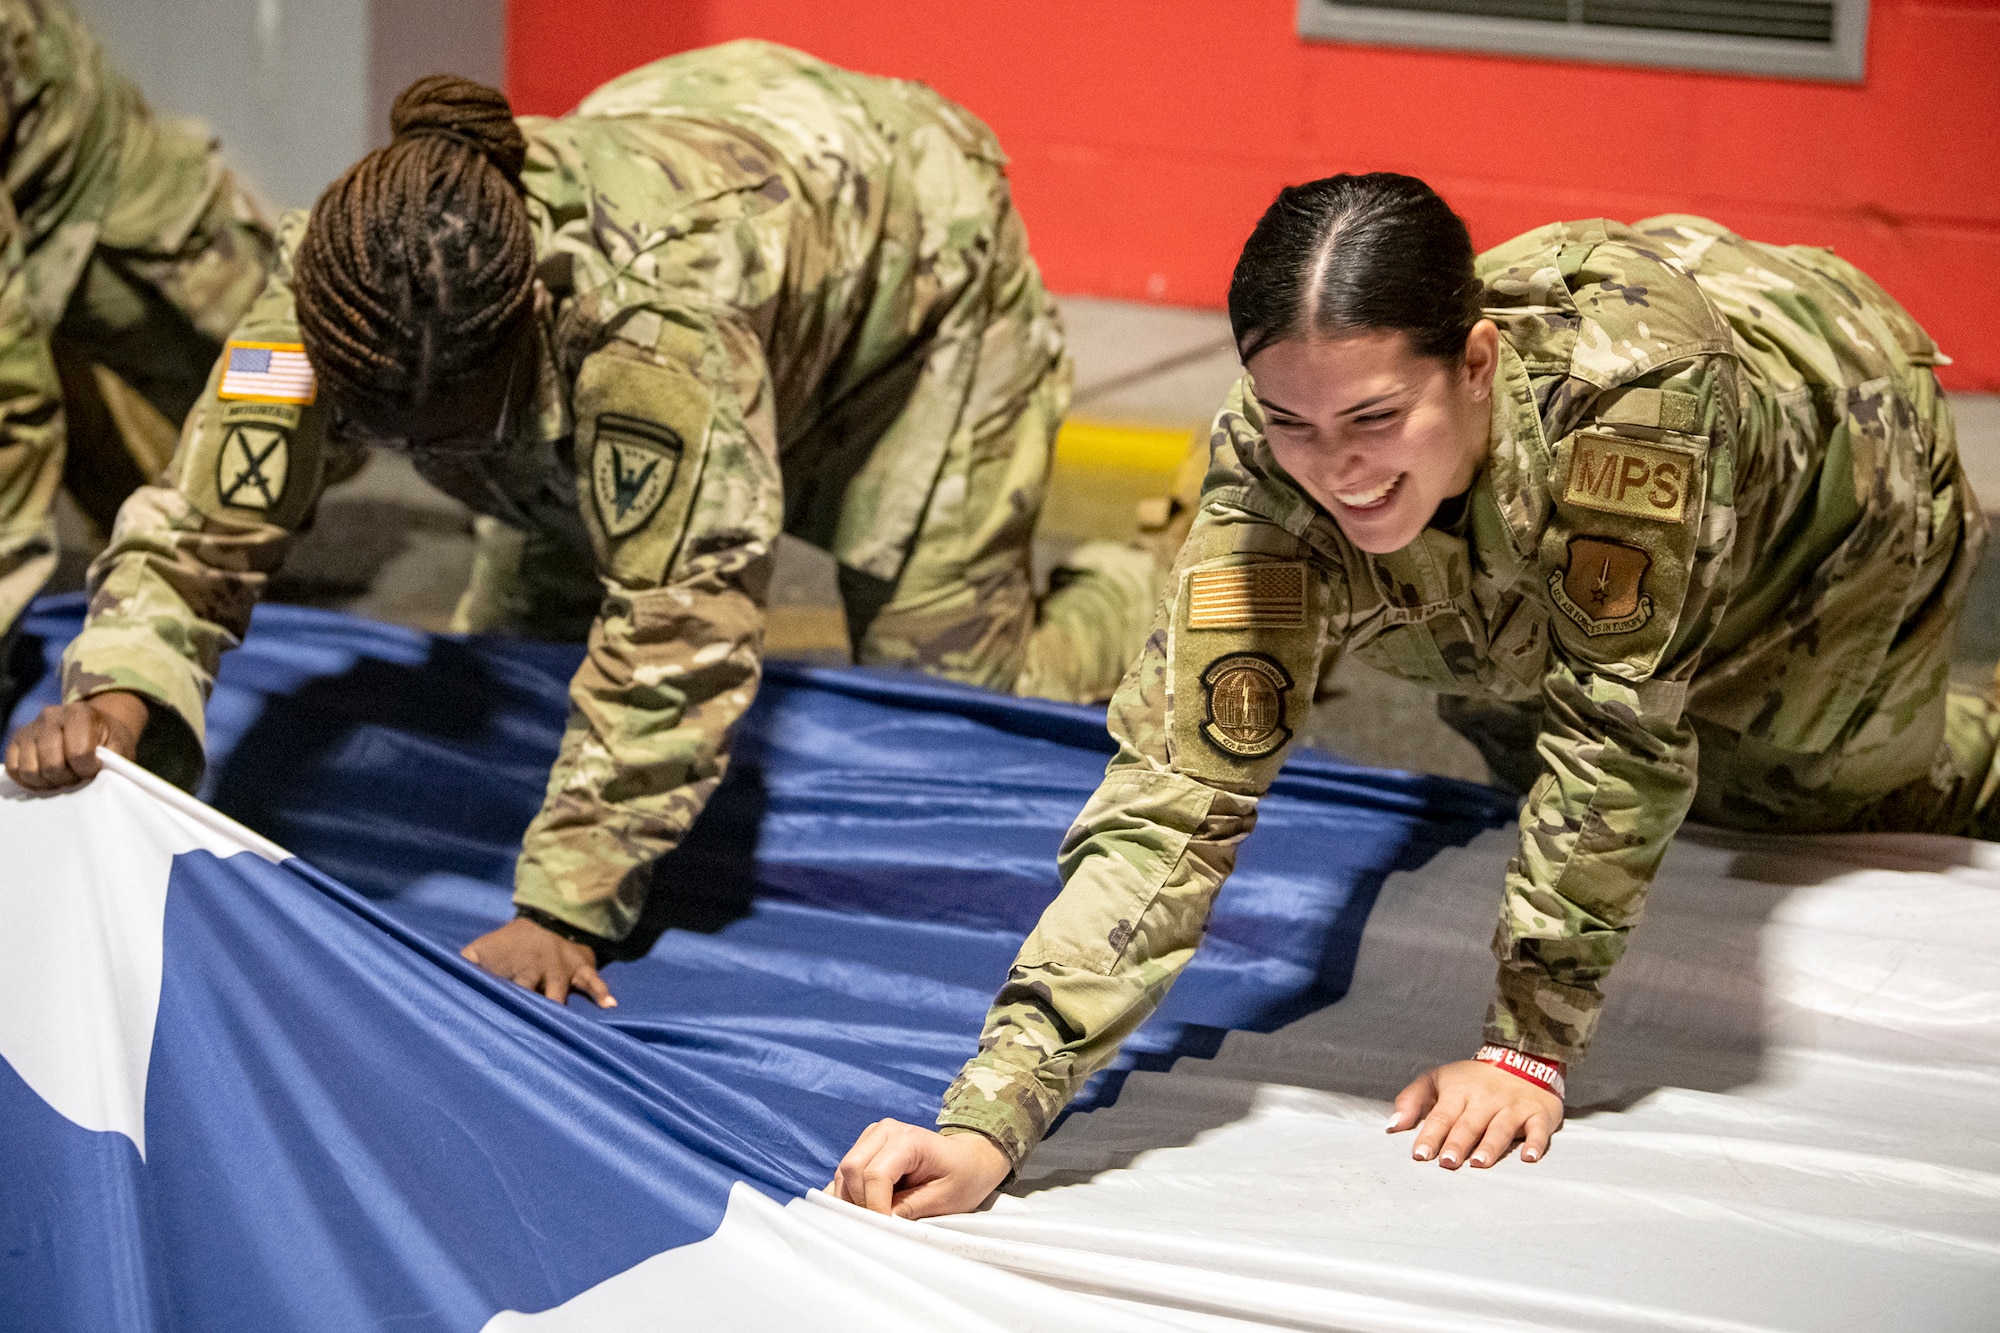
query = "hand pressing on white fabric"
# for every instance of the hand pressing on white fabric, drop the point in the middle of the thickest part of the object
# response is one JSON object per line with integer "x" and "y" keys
{"x": 531, "y": 955}
{"x": 1471, "y": 1112}
{"x": 59, "y": 748}
{"x": 914, "y": 1172}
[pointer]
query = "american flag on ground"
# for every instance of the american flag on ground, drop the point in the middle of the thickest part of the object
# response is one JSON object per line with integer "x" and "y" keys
{"x": 269, "y": 372}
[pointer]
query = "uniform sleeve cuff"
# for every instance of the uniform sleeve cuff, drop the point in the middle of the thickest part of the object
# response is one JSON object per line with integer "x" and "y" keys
{"x": 172, "y": 743}
{"x": 1006, "y": 1108}
{"x": 599, "y": 922}
{"x": 1532, "y": 1013}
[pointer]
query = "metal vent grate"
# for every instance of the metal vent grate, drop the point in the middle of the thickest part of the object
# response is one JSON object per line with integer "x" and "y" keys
{"x": 1799, "y": 38}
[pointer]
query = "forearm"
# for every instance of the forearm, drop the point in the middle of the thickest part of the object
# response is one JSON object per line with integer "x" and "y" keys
{"x": 170, "y": 595}
{"x": 1620, "y": 772}
{"x": 669, "y": 672}
{"x": 1141, "y": 869}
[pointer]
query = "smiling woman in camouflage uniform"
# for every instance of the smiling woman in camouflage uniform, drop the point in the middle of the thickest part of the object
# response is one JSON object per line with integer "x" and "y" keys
{"x": 1672, "y": 520}
{"x": 737, "y": 292}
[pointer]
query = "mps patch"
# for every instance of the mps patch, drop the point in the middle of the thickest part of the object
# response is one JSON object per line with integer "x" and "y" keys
{"x": 1618, "y": 475}
{"x": 1248, "y": 597}
{"x": 1246, "y": 705}
{"x": 251, "y": 468}
{"x": 632, "y": 467}
{"x": 267, "y": 373}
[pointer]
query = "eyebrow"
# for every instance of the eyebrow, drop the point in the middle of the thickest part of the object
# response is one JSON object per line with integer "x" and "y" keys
{"x": 1352, "y": 410}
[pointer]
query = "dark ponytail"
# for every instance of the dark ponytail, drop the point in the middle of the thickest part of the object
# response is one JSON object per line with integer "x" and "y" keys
{"x": 417, "y": 262}
{"x": 1348, "y": 254}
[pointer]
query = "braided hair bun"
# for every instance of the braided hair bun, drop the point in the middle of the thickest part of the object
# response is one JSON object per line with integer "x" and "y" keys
{"x": 418, "y": 263}
{"x": 455, "y": 108}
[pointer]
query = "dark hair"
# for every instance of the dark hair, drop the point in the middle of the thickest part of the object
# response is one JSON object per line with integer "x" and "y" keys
{"x": 1345, "y": 254}
{"x": 418, "y": 261}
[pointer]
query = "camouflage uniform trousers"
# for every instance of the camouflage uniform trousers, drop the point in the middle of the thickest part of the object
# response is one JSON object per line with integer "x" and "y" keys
{"x": 964, "y": 606}
{"x": 130, "y": 355}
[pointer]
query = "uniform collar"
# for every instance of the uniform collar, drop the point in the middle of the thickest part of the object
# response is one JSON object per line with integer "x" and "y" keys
{"x": 1518, "y": 464}
{"x": 550, "y": 419}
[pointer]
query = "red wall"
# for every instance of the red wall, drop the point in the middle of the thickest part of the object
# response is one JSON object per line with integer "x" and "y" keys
{"x": 1147, "y": 135}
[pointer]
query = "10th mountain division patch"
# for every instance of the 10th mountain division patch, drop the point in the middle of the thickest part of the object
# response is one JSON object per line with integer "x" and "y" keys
{"x": 250, "y": 470}
{"x": 632, "y": 468}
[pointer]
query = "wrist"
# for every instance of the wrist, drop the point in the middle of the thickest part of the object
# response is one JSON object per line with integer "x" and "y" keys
{"x": 1546, "y": 1074}
{"x": 599, "y": 946}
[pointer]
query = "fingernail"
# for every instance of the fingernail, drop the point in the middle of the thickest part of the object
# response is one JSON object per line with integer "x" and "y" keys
{"x": 1395, "y": 1122}
{"x": 610, "y": 1002}
{"x": 1449, "y": 1159}
{"x": 1528, "y": 1154}
{"x": 1422, "y": 1154}
{"x": 1479, "y": 1159}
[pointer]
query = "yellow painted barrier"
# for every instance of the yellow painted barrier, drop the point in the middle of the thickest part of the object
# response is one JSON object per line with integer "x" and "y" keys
{"x": 1104, "y": 444}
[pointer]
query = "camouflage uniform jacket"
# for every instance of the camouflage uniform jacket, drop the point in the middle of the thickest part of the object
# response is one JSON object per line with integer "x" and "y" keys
{"x": 1714, "y": 489}
{"x": 745, "y": 254}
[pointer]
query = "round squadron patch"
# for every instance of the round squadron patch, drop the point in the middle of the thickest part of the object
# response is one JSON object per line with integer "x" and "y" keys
{"x": 1601, "y": 586}
{"x": 251, "y": 466}
{"x": 632, "y": 468}
{"x": 1246, "y": 705}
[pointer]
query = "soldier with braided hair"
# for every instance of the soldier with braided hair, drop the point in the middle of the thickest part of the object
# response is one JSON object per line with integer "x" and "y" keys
{"x": 738, "y": 292}
{"x": 127, "y": 252}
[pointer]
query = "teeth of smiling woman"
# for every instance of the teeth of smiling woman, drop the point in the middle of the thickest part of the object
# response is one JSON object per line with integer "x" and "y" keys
{"x": 1362, "y": 499}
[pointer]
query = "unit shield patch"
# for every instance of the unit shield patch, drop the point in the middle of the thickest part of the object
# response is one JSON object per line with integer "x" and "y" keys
{"x": 250, "y": 470}
{"x": 1600, "y": 586}
{"x": 1246, "y": 705}
{"x": 632, "y": 468}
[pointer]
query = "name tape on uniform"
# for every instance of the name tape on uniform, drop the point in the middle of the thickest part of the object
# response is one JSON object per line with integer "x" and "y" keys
{"x": 1248, "y": 597}
{"x": 267, "y": 372}
{"x": 1618, "y": 475}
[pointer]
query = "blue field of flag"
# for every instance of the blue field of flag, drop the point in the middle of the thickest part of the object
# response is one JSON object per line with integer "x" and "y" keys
{"x": 347, "y": 1126}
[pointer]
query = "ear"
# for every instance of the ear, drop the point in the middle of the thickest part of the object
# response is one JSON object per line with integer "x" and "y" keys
{"x": 1482, "y": 358}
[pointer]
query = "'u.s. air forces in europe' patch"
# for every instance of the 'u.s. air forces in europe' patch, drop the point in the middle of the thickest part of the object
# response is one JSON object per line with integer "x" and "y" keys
{"x": 1246, "y": 705}
{"x": 632, "y": 468}
{"x": 1600, "y": 587}
{"x": 250, "y": 469}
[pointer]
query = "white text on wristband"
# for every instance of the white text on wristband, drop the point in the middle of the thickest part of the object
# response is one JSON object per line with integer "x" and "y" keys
{"x": 1542, "y": 1073}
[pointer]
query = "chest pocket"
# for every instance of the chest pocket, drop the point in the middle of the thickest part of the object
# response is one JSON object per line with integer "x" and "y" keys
{"x": 1426, "y": 628}
{"x": 641, "y": 434}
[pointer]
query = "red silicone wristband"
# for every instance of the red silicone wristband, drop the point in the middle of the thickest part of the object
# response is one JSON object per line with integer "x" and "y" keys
{"x": 1545, "y": 1074}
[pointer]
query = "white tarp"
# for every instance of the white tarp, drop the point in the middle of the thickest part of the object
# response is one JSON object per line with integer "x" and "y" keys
{"x": 1811, "y": 1142}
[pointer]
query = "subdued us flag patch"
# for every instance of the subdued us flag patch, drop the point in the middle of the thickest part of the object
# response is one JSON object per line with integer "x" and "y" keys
{"x": 267, "y": 372}
{"x": 1248, "y": 597}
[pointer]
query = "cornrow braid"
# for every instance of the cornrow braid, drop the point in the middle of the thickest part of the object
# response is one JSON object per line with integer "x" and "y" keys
{"x": 417, "y": 262}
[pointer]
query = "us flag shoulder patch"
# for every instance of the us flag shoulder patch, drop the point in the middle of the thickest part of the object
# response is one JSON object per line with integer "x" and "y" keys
{"x": 267, "y": 373}
{"x": 1248, "y": 597}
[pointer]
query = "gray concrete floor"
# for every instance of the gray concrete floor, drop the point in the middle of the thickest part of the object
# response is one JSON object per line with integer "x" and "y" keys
{"x": 387, "y": 545}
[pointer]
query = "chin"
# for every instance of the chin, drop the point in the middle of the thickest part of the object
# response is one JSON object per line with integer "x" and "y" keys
{"x": 1378, "y": 534}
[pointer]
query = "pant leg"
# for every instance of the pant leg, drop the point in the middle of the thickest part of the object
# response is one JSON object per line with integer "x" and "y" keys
{"x": 1504, "y": 733}
{"x": 527, "y": 585}
{"x": 175, "y": 270}
{"x": 964, "y": 605}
